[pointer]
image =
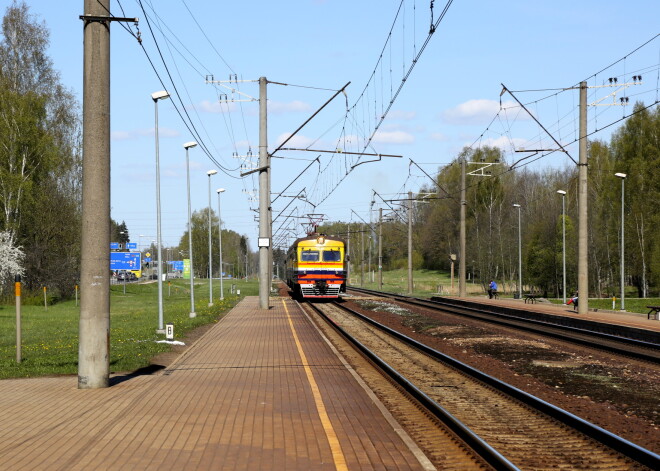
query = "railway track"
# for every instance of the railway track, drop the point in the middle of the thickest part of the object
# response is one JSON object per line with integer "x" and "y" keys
{"x": 508, "y": 428}
{"x": 621, "y": 344}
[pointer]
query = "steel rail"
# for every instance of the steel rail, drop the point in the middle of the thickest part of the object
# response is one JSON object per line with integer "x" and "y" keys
{"x": 618, "y": 444}
{"x": 471, "y": 439}
{"x": 559, "y": 331}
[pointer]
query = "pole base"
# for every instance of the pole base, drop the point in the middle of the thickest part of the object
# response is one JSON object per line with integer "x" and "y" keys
{"x": 210, "y": 304}
{"x": 160, "y": 331}
{"x": 193, "y": 315}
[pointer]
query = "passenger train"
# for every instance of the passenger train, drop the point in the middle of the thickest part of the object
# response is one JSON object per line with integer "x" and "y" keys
{"x": 316, "y": 267}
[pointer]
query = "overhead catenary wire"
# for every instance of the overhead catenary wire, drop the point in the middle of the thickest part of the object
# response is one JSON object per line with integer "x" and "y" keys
{"x": 187, "y": 121}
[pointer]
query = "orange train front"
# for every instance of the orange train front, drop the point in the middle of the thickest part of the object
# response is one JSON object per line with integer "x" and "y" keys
{"x": 316, "y": 267}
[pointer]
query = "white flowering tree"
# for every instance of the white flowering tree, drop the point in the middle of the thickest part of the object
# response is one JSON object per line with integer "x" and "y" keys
{"x": 11, "y": 259}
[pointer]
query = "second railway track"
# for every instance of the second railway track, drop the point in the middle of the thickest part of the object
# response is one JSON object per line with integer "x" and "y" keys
{"x": 524, "y": 436}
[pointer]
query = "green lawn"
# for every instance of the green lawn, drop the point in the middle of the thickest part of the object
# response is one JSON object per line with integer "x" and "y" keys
{"x": 425, "y": 282}
{"x": 433, "y": 283}
{"x": 50, "y": 337}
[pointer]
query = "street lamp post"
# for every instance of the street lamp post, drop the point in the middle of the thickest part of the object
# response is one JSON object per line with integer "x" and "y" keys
{"x": 187, "y": 146}
{"x": 222, "y": 291}
{"x": 563, "y": 239}
{"x": 622, "y": 176}
{"x": 156, "y": 96}
{"x": 519, "y": 254}
{"x": 210, "y": 173}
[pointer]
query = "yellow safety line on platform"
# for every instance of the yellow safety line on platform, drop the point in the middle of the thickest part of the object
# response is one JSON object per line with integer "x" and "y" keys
{"x": 337, "y": 454}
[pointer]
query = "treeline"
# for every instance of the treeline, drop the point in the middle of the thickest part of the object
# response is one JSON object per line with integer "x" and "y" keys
{"x": 40, "y": 156}
{"x": 237, "y": 259}
{"x": 41, "y": 173}
{"x": 492, "y": 220}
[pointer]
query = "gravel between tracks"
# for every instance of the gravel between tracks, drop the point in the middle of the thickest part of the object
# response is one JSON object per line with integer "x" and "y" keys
{"x": 617, "y": 394}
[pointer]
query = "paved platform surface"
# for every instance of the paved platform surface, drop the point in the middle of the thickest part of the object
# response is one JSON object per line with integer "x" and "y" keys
{"x": 261, "y": 390}
{"x": 630, "y": 319}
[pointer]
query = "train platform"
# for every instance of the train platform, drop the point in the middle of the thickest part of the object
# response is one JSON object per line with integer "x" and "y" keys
{"x": 261, "y": 390}
{"x": 628, "y": 319}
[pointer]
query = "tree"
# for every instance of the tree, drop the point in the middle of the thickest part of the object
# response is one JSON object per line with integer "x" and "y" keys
{"x": 234, "y": 246}
{"x": 40, "y": 162}
{"x": 11, "y": 258}
{"x": 636, "y": 151}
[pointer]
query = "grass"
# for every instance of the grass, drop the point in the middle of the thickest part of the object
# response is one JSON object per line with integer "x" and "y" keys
{"x": 428, "y": 283}
{"x": 425, "y": 283}
{"x": 50, "y": 337}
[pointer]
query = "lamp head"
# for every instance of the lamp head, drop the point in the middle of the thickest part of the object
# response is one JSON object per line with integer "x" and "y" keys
{"x": 561, "y": 192}
{"x": 621, "y": 175}
{"x": 161, "y": 95}
{"x": 190, "y": 144}
{"x": 220, "y": 190}
{"x": 211, "y": 172}
{"x": 516, "y": 205}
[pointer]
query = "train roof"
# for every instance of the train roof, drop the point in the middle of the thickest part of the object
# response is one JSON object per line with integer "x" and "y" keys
{"x": 315, "y": 237}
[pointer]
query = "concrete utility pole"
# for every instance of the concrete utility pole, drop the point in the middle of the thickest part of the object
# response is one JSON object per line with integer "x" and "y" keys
{"x": 583, "y": 261}
{"x": 94, "y": 323}
{"x": 264, "y": 199}
{"x": 348, "y": 253}
{"x": 362, "y": 257}
{"x": 410, "y": 254}
{"x": 462, "y": 289}
{"x": 380, "y": 248}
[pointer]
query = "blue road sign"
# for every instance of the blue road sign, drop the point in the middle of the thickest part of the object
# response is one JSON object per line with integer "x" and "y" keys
{"x": 176, "y": 264}
{"x": 125, "y": 261}
{"x": 131, "y": 245}
{"x": 114, "y": 245}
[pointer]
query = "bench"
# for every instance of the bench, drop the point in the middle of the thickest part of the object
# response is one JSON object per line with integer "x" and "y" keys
{"x": 531, "y": 297}
{"x": 654, "y": 311}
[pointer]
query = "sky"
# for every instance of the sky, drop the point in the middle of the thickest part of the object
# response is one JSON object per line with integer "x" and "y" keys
{"x": 438, "y": 92}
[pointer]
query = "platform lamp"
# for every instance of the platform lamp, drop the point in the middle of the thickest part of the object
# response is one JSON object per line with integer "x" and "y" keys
{"x": 210, "y": 173}
{"x": 515, "y": 205}
{"x": 156, "y": 96}
{"x": 563, "y": 239}
{"x": 622, "y": 176}
{"x": 222, "y": 291}
{"x": 187, "y": 146}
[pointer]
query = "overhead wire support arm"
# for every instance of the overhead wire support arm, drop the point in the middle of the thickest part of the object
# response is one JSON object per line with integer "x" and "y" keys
{"x": 287, "y": 206}
{"x": 339, "y": 151}
{"x": 310, "y": 118}
{"x": 102, "y": 19}
{"x": 504, "y": 89}
{"x": 294, "y": 180}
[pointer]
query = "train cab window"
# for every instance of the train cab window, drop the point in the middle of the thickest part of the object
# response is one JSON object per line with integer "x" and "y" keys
{"x": 309, "y": 256}
{"x": 331, "y": 256}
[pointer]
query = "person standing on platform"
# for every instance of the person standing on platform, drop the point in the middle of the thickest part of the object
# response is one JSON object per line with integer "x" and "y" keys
{"x": 492, "y": 289}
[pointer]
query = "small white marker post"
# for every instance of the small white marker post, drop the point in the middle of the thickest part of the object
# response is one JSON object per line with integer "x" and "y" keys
{"x": 169, "y": 331}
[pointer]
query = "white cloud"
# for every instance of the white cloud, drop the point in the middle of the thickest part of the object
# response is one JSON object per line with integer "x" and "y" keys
{"x": 296, "y": 141}
{"x": 474, "y": 112}
{"x": 393, "y": 137}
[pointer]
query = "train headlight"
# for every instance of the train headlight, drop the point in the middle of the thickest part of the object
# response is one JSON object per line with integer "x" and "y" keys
{"x": 320, "y": 240}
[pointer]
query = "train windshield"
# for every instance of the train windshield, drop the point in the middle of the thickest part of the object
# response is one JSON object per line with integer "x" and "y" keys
{"x": 309, "y": 256}
{"x": 331, "y": 256}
